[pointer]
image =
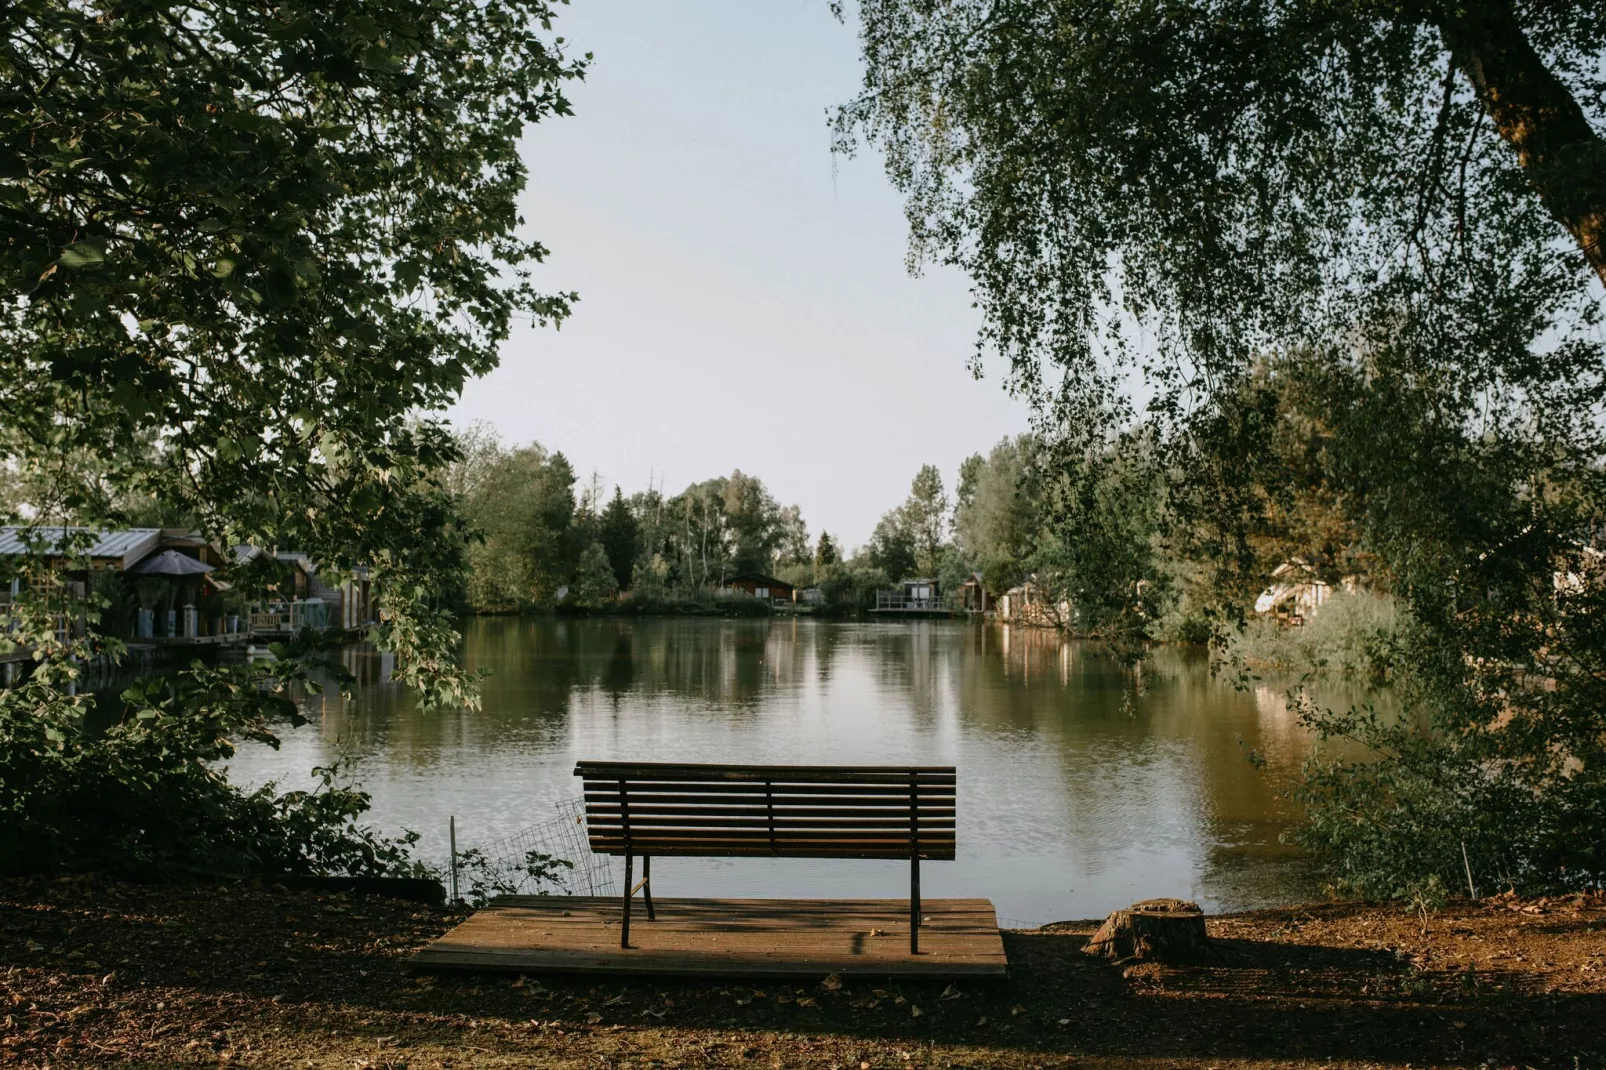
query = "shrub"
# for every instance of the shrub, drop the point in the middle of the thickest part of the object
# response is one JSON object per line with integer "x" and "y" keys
{"x": 148, "y": 798}
{"x": 1353, "y": 634}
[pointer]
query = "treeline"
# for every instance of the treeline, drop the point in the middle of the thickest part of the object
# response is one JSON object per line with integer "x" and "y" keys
{"x": 1019, "y": 513}
{"x": 545, "y": 539}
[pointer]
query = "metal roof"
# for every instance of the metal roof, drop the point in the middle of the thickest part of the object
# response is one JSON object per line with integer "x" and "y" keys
{"x": 106, "y": 543}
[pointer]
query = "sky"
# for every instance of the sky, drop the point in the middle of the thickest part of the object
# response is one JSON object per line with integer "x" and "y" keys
{"x": 744, "y": 296}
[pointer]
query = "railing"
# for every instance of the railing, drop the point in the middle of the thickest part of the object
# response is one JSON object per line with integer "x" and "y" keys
{"x": 291, "y": 618}
{"x": 269, "y": 621}
{"x": 898, "y": 600}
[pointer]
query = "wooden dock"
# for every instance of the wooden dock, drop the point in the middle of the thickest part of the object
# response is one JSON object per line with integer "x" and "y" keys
{"x": 725, "y": 937}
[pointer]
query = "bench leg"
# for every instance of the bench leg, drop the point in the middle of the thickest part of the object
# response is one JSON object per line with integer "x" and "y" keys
{"x": 646, "y": 885}
{"x": 624, "y": 924}
{"x": 914, "y": 905}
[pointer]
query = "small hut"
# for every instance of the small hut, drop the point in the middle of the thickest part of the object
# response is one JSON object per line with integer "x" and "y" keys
{"x": 758, "y": 585}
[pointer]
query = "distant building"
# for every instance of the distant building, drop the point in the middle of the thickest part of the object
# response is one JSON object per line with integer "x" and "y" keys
{"x": 917, "y": 595}
{"x": 307, "y": 600}
{"x": 73, "y": 554}
{"x": 116, "y": 550}
{"x": 972, "y": 595}
{"x": 1296, "y": 593}
{"x": 759, "y": 585}
{"x": 1028, "y": 603}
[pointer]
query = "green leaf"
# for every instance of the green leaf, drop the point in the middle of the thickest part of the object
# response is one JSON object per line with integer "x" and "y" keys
{"x": 81, "y": 255}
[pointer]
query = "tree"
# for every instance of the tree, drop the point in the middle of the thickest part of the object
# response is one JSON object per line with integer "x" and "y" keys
{"x": 825, "y": 554}
{"x": 594, "y": 582}
{"x": 925, "y": 517}
{"x": 754, "y": 519}
{"x": 700, "y": 533}
{"x": 791, "y": 537}
{"x": 246, "y": 251}
{"x": 267, "y": 236}
{"x": 620, "y": 532}
{"x": 521, "y": 504}
{"x": 1397, "y": 208}
{"x": 998, "y": 517}
{"x": 891, "y": 549}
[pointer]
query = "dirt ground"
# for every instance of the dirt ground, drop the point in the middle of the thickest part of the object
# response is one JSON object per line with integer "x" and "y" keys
{"x": 97, "y": 973}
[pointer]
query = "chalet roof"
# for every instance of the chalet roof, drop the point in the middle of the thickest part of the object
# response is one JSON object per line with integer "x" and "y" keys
{"x": 758, "y": 577}
{"x": 247, "y": 553}
{"x": 129, "y": 544}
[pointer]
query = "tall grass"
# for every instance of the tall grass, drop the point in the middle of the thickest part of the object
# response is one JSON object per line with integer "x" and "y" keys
{"x": 1351, "y": 635}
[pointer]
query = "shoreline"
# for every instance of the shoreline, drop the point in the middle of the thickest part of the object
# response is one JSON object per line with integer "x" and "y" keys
{"x": 98, "y": 972}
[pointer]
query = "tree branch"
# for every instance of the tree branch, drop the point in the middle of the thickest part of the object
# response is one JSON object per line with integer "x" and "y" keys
{"x": 1536, "y": 115}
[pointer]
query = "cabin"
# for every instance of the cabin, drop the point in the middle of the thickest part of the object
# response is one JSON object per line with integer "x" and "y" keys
{"x": 1295, "y": 593}
{"x": 972, "y": 595}
{"x": 305, "y": 598}
{"x": 759, "y": 585}
{"x": 115, "y": 550}
{"x": 919, "y": 594}
{"x": 1030, "y": 604}
{"x": 75, "y": 554}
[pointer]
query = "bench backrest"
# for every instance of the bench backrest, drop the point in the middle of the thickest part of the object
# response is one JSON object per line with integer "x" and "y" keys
{"x": 790, "y": 811}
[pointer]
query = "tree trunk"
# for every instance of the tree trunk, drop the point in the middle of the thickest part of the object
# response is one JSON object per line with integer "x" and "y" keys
{"x": 1155, "y": 930}
{"x": 1562, "y": 155}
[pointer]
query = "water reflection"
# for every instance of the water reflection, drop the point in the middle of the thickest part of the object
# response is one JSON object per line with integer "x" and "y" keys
{"x": 1082, "y": 785}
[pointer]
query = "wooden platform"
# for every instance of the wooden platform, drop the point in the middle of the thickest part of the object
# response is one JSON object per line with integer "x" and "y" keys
{"x": 728, "y": 937}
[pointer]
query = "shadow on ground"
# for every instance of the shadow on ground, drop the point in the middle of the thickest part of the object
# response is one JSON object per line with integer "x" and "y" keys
{"x": 95, "y": 970}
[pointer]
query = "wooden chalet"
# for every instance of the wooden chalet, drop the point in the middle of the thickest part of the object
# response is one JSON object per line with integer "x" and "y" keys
{"x": 758, "y": 585}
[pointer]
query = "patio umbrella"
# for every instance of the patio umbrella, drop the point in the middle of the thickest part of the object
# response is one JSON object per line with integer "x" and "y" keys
{"x": 171, "y": 563}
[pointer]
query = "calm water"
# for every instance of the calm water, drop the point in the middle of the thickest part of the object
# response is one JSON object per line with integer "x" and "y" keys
{"x": 1082, "y": 786}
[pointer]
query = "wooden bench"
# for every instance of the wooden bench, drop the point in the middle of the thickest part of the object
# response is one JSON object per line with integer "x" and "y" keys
{"x": 771, "y": 811}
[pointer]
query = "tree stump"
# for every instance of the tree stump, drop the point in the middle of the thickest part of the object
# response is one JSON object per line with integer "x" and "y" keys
{"x": 1155, "y": 930}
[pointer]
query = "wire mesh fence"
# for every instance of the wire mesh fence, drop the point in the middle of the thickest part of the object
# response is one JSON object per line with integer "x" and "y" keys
{"x": 552, "y": 857}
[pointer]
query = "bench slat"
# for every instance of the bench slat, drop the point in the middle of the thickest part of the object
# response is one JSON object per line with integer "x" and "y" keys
{"x": 801, "y": 773}
{"x": 816, "y": 824}
{"x": 661, "y": 808}
{"x": 758, "y": 808}
{"x": 641, "y": 789}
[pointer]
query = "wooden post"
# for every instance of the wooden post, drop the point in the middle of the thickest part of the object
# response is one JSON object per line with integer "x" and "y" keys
{"x": 451, "y": 828}
{"x": 624, "y": 824}
{"x": 646, "y": 885}
{"x": 624, "y": 925}
{"x": 914, "y": 864}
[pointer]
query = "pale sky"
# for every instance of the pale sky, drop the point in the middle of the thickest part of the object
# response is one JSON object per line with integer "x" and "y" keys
{"x": 744, "y": 298}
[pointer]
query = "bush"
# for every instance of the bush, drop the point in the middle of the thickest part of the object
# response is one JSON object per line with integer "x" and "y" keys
{"x": 147, "y": 797}
{"x": 1353, "y": 634}
{"x": 1429, "y": 811}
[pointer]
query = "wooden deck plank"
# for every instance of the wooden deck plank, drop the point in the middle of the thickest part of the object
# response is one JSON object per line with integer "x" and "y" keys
{"x": 725, "y": 937}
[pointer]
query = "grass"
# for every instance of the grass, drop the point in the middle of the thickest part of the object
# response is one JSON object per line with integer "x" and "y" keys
{"x": 1351, "y": 635}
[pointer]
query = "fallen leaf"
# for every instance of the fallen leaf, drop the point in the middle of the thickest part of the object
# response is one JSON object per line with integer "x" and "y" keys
{"x": 832, "y": 983}
{"x": 950, "y": 993}
{"x": 915, "y": 1012}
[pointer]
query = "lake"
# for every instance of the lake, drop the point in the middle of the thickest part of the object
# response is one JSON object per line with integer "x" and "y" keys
{"x": 1082, "y": 785}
